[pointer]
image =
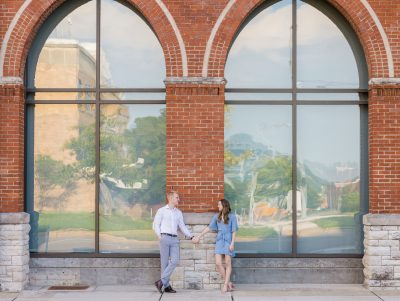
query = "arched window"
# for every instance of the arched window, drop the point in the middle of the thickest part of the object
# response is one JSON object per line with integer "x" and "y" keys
{"x": 296, "y": 167}
{"x": 95, "y": 130}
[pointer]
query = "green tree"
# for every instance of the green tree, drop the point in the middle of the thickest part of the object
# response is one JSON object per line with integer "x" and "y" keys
{"x": 49, "y": 174}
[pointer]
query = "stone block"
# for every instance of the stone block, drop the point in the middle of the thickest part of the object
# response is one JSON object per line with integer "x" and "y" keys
{"x": 390, "y": 283}
{"x": 379, "y": 273}
{"x": 177, "y": 284}
{"x": 395, "y": 254}
{"x": 178, "y": 274}
{"x": 373, "y": 235}
{"x": 377, "y": 251}
{"x": 394, "y": 235}
{"x": 193, "y": 254}
{"x": 372, "y": 260}
{"x": 211, "y": 286}
{"x": 371, "y": 242}
{"x": 390, "y": 262}
{"x": 19, "y": 260}
{"x": 204, "y": 267}
{"x": 215, "y": 277}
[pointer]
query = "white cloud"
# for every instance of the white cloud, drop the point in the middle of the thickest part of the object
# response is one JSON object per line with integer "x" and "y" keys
{"x": 271, "y": 30}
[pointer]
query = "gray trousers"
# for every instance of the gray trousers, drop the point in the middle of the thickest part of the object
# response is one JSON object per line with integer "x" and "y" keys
{"x": 169, "y": 255}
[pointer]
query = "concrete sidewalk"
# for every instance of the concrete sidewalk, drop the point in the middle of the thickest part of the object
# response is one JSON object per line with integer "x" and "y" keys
{"x": 283, "y": 292}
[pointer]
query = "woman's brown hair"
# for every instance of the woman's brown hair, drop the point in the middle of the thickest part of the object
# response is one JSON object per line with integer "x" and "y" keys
{"x": 226, "y": 209}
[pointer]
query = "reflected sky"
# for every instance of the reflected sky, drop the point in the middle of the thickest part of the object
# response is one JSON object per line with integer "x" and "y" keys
{"x": 269, "y": 125}
{"x": 329, "y": 134}
{"x": 138, "y": 111}
{"x": 326, "y": 134}
{"x": 261, "y": 55}
{"x": 130, "y": 54}
{"x": 133, "y": 57}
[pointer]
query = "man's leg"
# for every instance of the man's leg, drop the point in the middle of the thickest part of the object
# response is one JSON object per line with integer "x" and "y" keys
{"x": 164, "y": 253}
{"x": 174, "y": 255}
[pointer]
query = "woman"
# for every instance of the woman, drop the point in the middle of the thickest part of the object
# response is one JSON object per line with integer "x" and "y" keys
{"x": 225, "y": 223}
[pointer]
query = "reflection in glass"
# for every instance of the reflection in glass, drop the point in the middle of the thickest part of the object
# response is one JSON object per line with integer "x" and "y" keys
{"x": 62, "y": 217}
{"x": 132, "y": 176}
{"x": 328, "y": 179}
{"x": 68, "y": 58}
{"x": 133, "y": 96}
{"x": 258, "y": 96}
{"x": 131, "y": 55}
{"x": 329, "y": 96}
{"x": 261, "y": 54}
{"x": 65, "y": 96}
{"x": 324, "y": 57}
{"x": 258, "y": 176}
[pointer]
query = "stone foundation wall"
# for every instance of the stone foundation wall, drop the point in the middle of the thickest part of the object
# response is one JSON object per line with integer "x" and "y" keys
{"x": 382, "y": 250}
{"x": 14, "y": 251}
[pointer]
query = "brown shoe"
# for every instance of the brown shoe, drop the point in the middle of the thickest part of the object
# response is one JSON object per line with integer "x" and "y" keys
{"x": 169, "y": 289}
{"x": 159, "y": 285}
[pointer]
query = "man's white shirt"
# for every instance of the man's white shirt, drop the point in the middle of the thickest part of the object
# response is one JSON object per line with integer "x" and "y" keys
{"x": 167, "y": 220}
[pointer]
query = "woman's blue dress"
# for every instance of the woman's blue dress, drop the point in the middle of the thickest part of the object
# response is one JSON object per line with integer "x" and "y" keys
{"x": 224, "y": 236}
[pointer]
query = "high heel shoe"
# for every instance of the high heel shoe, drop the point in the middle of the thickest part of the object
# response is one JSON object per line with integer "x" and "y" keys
{"x": 231, "y": 286}
{"x": 224, "y": 288}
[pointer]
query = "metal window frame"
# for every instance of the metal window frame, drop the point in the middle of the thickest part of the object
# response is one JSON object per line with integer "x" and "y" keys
{"x": 30, "y": 102}
{"x": 335, "y": 16}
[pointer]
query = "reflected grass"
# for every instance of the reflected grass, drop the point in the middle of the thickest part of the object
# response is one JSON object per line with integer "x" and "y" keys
{"x": 86, "y": 220}
{"x": 335, "y": 222}
{"x": 260, "y": 232}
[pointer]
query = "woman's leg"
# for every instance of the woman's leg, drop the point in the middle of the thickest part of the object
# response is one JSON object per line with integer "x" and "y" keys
{"x": 228, "y": 272}
{"x": 220, "y": 266}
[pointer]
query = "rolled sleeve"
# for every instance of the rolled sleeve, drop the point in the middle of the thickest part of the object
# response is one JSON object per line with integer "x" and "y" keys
{"x": 234, "y": 225}
{"x": 213, "y": 224}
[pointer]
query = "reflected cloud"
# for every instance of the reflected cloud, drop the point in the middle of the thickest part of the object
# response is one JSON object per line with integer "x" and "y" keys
{"x": 260, "y": 36}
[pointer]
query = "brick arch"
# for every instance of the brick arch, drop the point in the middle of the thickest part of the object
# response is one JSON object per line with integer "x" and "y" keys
{"x": 354, "y": 11}
{"x": 37, "y": 12}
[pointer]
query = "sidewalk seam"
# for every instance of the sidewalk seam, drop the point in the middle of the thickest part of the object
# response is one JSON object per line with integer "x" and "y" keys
{"x": 376, "y": 295}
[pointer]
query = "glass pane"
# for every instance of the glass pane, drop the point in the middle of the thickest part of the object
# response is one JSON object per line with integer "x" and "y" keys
{"x": 258, "y": 96}
{"x": 132, "y": 96}
{"x": 329, "y": 96}
{"x": 261, "y": 55}
{"x": 132, "y": 176}
{"x": 324, "y": 57}
{"x": 62, "y": 217}
{"x": 329, "y": 218}
{"x": 258, "y": 175}
{"x": 68, "y": 58}
{"x": 131, "y": 55}
{"x": 65, "y": 96}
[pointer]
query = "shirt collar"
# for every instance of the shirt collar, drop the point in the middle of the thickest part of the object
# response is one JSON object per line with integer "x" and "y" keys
{"x": 168, "y": 207}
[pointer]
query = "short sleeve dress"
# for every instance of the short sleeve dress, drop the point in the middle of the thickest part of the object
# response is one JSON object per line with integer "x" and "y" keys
{"x": 224, "y": 236}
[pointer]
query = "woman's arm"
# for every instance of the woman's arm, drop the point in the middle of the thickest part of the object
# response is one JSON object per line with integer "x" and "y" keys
{"x": 197, "y": 238}
{"x": 232, "y": 246}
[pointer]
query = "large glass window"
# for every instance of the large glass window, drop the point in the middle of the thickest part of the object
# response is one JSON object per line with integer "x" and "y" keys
{"x": 95, "y": 131}
{"x": 296, "y": 131}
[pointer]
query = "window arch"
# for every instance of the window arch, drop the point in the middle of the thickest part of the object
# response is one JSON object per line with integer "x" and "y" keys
{"x": 296, "y": 166}
{"x": 95, "y": 129}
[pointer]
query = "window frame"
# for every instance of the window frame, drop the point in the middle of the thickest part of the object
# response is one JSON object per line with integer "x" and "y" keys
{"x": 32, "y": 59}
{"x": 344, "y": 26}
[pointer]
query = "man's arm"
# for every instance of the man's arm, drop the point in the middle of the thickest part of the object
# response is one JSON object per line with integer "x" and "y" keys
{"x": 183, "y": 227}
{"x": 157, "y": 223}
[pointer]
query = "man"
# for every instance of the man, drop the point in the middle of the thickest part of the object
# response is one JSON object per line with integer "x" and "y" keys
{"x": 166, "y": 223}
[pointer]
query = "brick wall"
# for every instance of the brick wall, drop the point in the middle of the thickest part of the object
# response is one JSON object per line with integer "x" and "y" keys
{"x": 384, "y": 149}
{"x": 195, "y": 144}
{"x": 11, "y": 148}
